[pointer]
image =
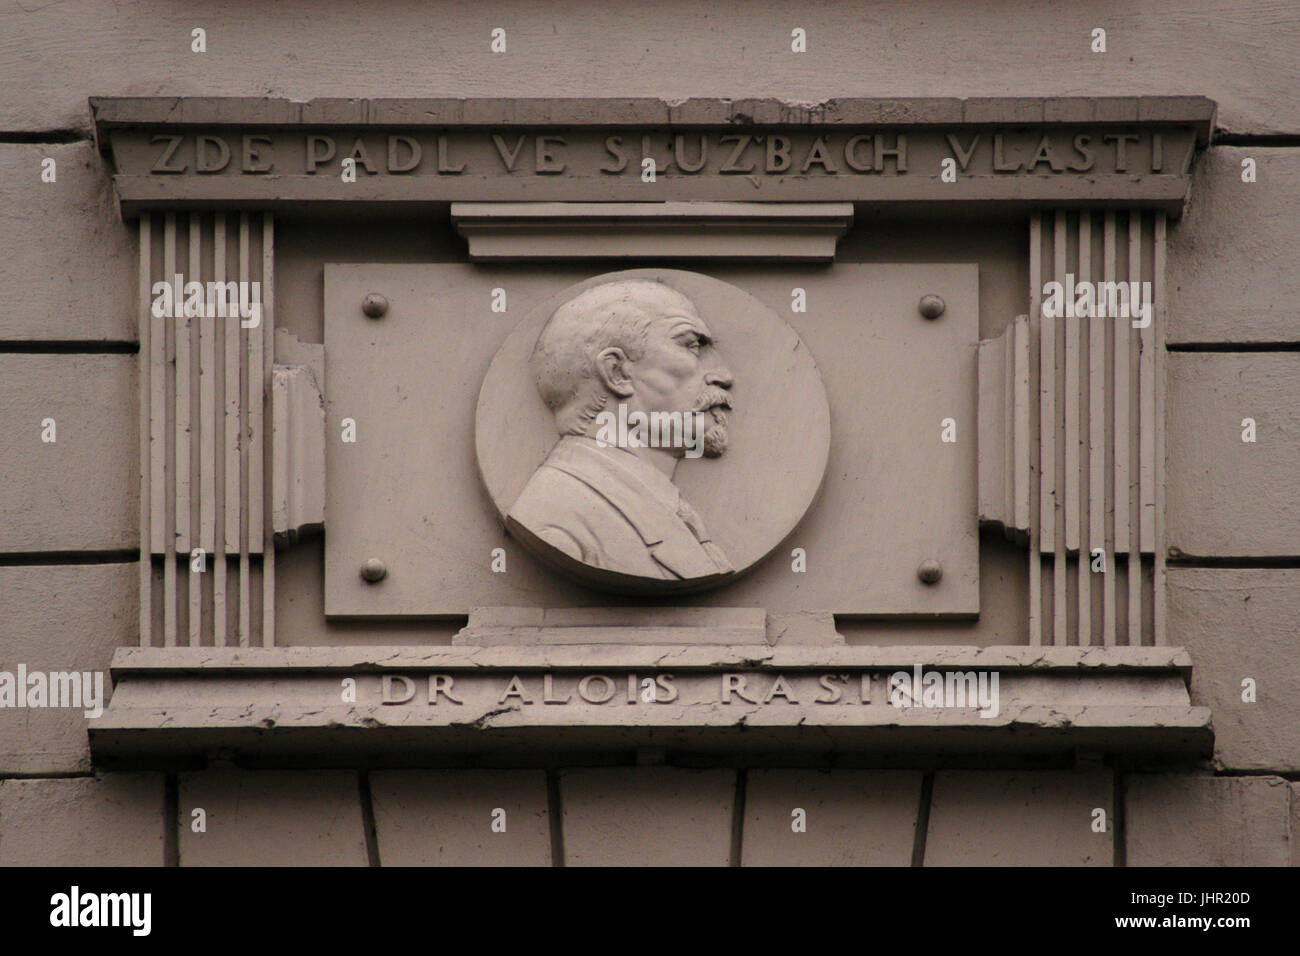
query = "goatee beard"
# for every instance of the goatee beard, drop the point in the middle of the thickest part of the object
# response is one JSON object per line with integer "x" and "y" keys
{"x": 715, "y": 435}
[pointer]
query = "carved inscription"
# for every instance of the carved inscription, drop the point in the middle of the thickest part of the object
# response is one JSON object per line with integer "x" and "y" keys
{"x": 794, "y": 153}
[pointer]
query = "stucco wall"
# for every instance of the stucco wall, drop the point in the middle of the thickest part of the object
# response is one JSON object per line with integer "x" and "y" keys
{"x": 68, "y": 578}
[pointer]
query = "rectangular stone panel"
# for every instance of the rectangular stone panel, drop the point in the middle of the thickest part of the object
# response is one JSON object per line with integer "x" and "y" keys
{"x": 408, "y": 491}
{"x": 461, "y": 817}
{"x": 1002, "y": 818}
{"x": 67, "y": 261}
{"x": 553, "y": 161}
{"x": 61, "y": 619}
{"x": 271, "y": 818}
{"x": 849, "y": 818}
{"x": 111, "y": 820}
{"x": 1185, "y": 820}
{"x": 79, "y": 492}
{"x": 647, "y": 816}
{"x": 1232, "y": 275}
{"x": 1239, "y": 626}
{"x": 1226, "y": 496}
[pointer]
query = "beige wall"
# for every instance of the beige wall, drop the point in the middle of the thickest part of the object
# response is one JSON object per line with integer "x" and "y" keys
{"x": 67, "y": 576}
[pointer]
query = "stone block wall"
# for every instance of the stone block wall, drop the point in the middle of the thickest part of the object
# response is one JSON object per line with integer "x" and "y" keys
{"x": 69, "y": 510}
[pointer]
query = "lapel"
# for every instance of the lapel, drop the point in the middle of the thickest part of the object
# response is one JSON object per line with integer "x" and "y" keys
{"x": 670, "y": 542}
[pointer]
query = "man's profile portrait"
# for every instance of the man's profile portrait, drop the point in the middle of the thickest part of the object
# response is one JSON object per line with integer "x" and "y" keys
{"x": 630, "y": 373}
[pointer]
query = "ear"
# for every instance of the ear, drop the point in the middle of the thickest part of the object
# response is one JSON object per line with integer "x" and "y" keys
{"x": 611, "y": 366}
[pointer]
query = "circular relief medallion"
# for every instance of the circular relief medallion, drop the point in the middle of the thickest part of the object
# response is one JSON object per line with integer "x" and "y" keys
{"x": 652, "y": 431}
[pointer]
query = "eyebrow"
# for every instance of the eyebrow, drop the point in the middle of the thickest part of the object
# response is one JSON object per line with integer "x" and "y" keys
{"x": 704, "y": 337}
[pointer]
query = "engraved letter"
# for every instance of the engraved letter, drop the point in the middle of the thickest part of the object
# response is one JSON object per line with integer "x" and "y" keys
{"x": 508, "y": 157}
{"x": 999, "y": 162}
{"x": 679, "y": 154}
{"x": 832, "y": 687}
{"x": 899, "y": 152}
{"x": 1121, "y": 148}
{"x": 547, "y": 163}
{"x": 734, "y": 683}
{"x": 851, "y": 154}
{"x": 778, "y": 153}
{"x": 389, "y": 693}
{"x": 614, "y": 146}
{"x": 173, "y": 143}
{"x": 963, "y": 155}
{"x": 441, "y": 684}
{"x": 252, "y": 157}
{"x": 394, "y": 149}
{"x": 320, "y": 149}
{"x": 730, "y": 165}
{"x": 820, "y": 155}
{"x": 1081, "y": 147}
{"x": 444, "y": 161}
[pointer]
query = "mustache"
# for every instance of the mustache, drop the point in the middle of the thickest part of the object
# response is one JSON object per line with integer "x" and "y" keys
{"x": 711, "y": 398}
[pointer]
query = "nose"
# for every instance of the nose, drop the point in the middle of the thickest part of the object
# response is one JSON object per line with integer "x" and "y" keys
{"x": 720, "y": 376}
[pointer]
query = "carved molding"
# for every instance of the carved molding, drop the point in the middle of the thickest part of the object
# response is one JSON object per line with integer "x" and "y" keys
{"x": 1016, "y": 152}
{"x": 185, "y": 704}
{"x": 791, "y": 232}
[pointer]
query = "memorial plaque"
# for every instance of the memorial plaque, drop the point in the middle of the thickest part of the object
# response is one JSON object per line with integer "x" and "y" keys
{"x": 893, "y": 495}
{"x": 647, "y": 459}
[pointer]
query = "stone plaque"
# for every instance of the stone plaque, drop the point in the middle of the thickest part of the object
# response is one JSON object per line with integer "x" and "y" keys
{"x": 682, "y": 488}
{"x": 409, "y": 492}
{"x": 530, "y": 578}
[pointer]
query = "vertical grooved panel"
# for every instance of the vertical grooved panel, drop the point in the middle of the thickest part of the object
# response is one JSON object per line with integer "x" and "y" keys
{"x": 1147, "y": 375}
{"x": 1008, "y": 426}
{"x": 268, "y": 361}
{"x": 256, "y": 376}
{"x": 169, "y": 514}
{"x": 1036, "y": 507}
{"x": 1020, "y": 432}
{"x": 1071, "y": 395}
{"x": 1102, "y": 370}
{"x": 207, "y": 429}
{"x": 234, "y": 483}
{"x": 233, "y": 486}
{"x": 244, "y": 423}
{"x": 187, "y": 429}
{"x": 203, "y": 424}
{"x": 181, "y": 464}
{"x": 1097, "y": 437}
{"x": 207, "y": 422}
{"x": 1060, "y": 607}
{"x": 1133, "y": 439}
{"x": 1087, "y": 489}
{"x": 220, "y": 459}
{"x": 1159, "y": 322}
{"x": 1122, "y": 427}
{"x": 1046, "y": 393}
{"x": 144, "y": 363}
{"x": 157, "y": 421}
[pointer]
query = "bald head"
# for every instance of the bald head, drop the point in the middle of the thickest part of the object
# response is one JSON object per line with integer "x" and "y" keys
{"x": 611, "y": 315}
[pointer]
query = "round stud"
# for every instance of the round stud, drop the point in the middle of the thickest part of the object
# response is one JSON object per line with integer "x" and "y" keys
{"x": 931, "y": 306}
{"x": 374, "y": 305}
{"x": 930, "y": 571}
{"x": 373, "y": 570}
